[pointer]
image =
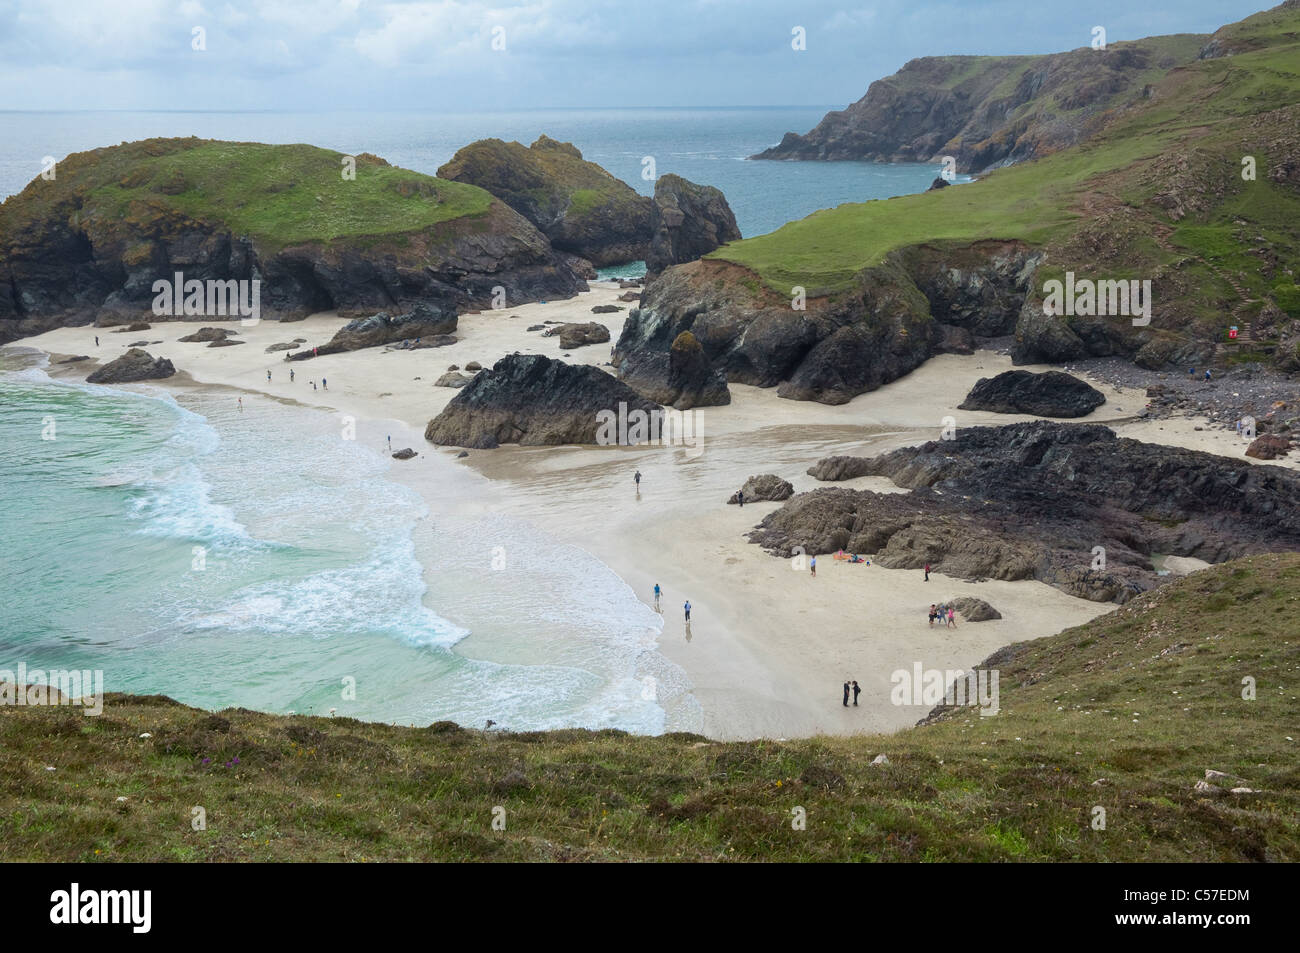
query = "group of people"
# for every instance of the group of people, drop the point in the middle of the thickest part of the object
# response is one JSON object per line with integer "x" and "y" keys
{"x": 686, "y": 607}
{"x": 945, "y": 614}
{"x": 855, "y": 689}
{"x": 323, "y": 382}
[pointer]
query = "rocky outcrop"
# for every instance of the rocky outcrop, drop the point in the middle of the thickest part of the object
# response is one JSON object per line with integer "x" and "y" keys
{"x": 533, "y": 400}
{"x": 579, "y": 206}
{"x": 682, "y": 378}
{"x": 919, "y": 302}
{"x": 134, "y": 365}
{"x": 765, "y": 486}
{"x": 983, "y": 111}
{"x": 1050, "y": 394}
{"x": 452, "y": 379}
{"x": 975, "y": 610}
{"x": 1070, "y": 505}
{"x": 1268, "y": 447}
{"x": 91, "y": 244}
{"x": 688, "y": 222}
{"x": 424, "y": 320}
{"x": 835, "y": 469}
{"x": 405, "y": 453}
{"x": 210, "y": 334}
{"x": 579, "y": 335}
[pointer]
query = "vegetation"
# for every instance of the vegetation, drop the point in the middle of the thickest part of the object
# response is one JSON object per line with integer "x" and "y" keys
{"x": 1126, "y": 713}
{"x": 1157, "y": 191}
{"x": 275, "y": 195}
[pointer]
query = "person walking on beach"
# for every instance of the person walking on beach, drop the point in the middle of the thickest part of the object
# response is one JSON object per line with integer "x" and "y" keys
{"x": 856, "y": 690}
{"x": 813, "y": 566}
{"x": 846, "y": 694}
{"x": 927, "y": 572}
{"x": 740, "y": 498}
{"x": 933, "y": 612}
{"x": 96, "y": 340}
{"x": 636, "y": 478}
{"x": 952, "y": 618}
{"x": 291, "y": 375}
{"x": 324, "y": 384}
{"x": 313, "y": 385}
{"x": 687, "y": 607}
{"x": 313, "y": 352}
{"x": 268, "y": 377}
{"x": 390, "y": 443}
{"x": 241, "y": 404}
{"x": 658, "y": 593}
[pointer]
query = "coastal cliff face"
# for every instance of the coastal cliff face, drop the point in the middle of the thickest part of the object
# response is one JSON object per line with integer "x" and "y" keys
{"x": 923, "y": 301}
{"x": 89, "y": 245}
{"x": 688, "y": 222}
{"x": 579, "y": 206}
{"x": 987, "y": 111}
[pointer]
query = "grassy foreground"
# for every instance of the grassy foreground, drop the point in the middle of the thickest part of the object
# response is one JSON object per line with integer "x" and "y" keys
{"x": 1148, "y": 698}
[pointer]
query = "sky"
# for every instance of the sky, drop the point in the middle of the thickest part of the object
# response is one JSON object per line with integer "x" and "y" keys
{"x": 461, "y": 55}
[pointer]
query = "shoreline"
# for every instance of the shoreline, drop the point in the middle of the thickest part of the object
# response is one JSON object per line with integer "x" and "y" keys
{"x": 768, "y": 647}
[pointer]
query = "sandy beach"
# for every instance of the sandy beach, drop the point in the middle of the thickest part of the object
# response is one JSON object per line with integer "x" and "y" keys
{"x": 768, "y": 646}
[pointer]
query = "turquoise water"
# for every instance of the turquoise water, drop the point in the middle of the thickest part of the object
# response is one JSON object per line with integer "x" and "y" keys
{"x": 258, "y": 559}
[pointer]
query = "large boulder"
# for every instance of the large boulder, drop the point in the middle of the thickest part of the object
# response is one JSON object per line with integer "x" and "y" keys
{"x": 579, "y": 206}
{"x": 689, "y": 221}
{"x": 534, "y": 400}
{"x": 765, "y": 486}
{"x": 1269, "y": 446}
{"x": 1050, "y": 394}
{"x": 579, "y": 335}
{"x": 975, "y": 610}
{"x": 208, "y": 334}
{"x": 423, "y": 321}
{"x": 682, "y": 378}
{"x": 134, "y": 365}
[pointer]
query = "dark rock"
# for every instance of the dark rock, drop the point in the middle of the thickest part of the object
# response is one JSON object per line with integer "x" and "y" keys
{"x": 282, "y": 347}
{"x": 225, "y": 342}
{"x": 1268, "y": 447}
{"x": 689, "y": 221}
{"x": 463, "y": 453}
{"x": 939, "y": 183}
{"x": 424, "y": 320}
{"x": 1050, "y": 394}
{"x": 134, "y": 365}
{"x": 74, "y": 360}
{"x": 473, "y": 366}
{"x": 975, "y": 610}
{"x": 605, "y": 309}
{"x": 138, "y": 344}
{"x": 766, "y": 486}
{"x": 404, "y": 454}
{"x": 1031, "y": 501}
{"x": 537, "y": 327}
{"x": 579, "y": 335}
{"x": 134, "y": 326}
{"x": 208, "y": 334}
{"x": 534, "y": 401}
{"x": 840, "y": 468}
{"x": 630, "y": 296}
{"x": 682, "y": 378}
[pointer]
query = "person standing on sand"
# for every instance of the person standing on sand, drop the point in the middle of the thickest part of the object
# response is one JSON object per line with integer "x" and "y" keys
{"x": 813, "y": 566}
{"x": 740, "y": 498}
{"x": 687, "y": 607}
{"x": 952, "y": 618}
{"x": 657, "y": 594}
{"x": 313, "y": 385}
{"x": 856, "y": 690}
{"x": 846, "y": 694}
{"x": 268, "y": 377}
{"x": 636, "y": 478}
{"x": 291, "y": 375}
{"x": 96, "y": 340}
{"x": 933, "y": 612}
{"x": 324, "y": 384}
{"x": 927, "y": 572}
{"x": 241, "y": 403}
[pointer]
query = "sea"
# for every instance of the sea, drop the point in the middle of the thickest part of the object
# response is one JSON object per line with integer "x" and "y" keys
{"x": 251, "y": 558}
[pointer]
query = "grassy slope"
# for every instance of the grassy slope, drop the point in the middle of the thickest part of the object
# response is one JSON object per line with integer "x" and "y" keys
{"x": 1202, "y": 108}
{"x": 276, "y": 195}
{"x": 1147, "y": 697}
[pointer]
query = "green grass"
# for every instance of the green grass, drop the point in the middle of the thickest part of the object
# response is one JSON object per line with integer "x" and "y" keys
{"x": 1202, "y": 111}
{"x": 1147, "y": 697}
{"x": 277, "y": 195}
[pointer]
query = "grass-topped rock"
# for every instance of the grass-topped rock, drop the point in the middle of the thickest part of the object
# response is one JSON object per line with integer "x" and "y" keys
{"x": 579, "y": 206}
{"x": 92, "y": 242}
